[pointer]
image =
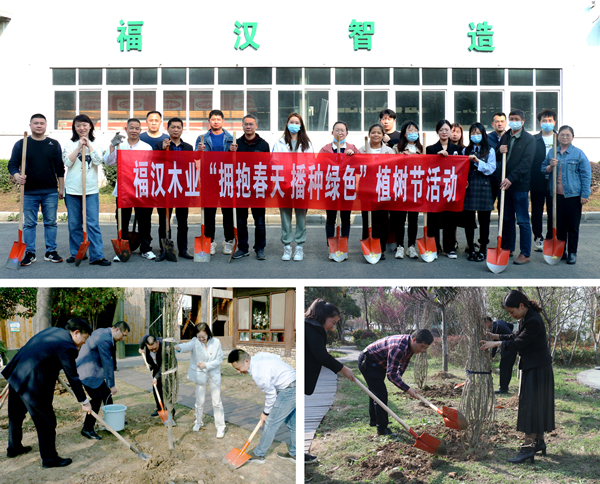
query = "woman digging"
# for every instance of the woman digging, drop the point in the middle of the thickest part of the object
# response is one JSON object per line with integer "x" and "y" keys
{"x": 536, "y": 398}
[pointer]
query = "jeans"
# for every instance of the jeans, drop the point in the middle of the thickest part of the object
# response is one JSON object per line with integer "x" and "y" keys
{"x": 31, "y": 203}
{"x": 284, "y": 410}
{"x": 375, "y": 379}
{"x": 286, "y": 226}
{"x": 215, "y": 393}
{"x": 260, "y": 230}
{"x": 74, "y": 208}
{"x": 516, "y": 204}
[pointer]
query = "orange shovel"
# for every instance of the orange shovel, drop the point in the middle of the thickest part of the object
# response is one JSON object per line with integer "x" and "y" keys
{"x": 235, "y": 237}
{"x": 236, "y": 457}
{"x": 425, "y": 442}
{"x": 426, "y": 245}
{"x": 371, "y": 247}
{"x": 452, "y": 417}
{"x": 553, "y": 248}
{"x": 86, "y": 243}
{"x": 338, "y": 245}
{"x": 202, "y": 243}
{"x": 121, "y": 246}
{"x": 18, "y": 249}
{"x": 162, "y": 413}
{"x": 497, "y": 258}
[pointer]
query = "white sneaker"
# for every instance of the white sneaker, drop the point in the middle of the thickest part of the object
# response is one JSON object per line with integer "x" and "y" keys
{"x": 213, "y": 248}
{"x": 299, "y": 253}
{"x": 116, "y": 259}
{"x": 451, "y": 255}
{"x": 399, "y": 252}
{"x": 287, "y": 252}
{"x": 330, "y": 256}
{"x": 412, "y": 252}
{"x": 227, "y": 247}
{"x": 149, "y": 255}
{"x": 539, "y": 245}
{"x": 220, "y": 433}
{"x": 197, "y": 426}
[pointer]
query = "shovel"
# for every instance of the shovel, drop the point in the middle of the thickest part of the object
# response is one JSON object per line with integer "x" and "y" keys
{"x": 338, "y": 246}
{"x": 162, "y": 413}
{"x": 371, "y": 247}
{"x": 86, "y": 243}
{"x": 18, "y": 249}
{"x": 141, "y": 455}
{"x": 425, "y": 442}
{"x": 236, "y": 457}
{"x": 426, "y": 245}
{"x": 235, "y": 238}
{"x": 167, "y": 243}
{"x": 553, "y": 248}
{"x": 134, "y": 237}
{"x": 4, "y": 395}
{"x": 452, "y": 417}
{"x": 202, "y": 243}
{"x": 121, "y": 246}
{"x": 497, "y": 258}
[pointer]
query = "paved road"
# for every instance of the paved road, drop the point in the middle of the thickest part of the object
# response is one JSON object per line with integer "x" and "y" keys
{"x": 315, "y": 265}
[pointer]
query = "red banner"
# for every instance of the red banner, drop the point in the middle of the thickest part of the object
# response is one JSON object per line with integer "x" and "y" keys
{"x": 415, "y": 183}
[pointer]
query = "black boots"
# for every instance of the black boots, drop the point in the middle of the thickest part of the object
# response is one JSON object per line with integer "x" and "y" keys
{"x": 526, "y": 452}
{"x": 540, "y": 445}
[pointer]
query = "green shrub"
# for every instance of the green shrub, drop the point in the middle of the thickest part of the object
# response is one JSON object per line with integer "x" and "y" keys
{"x": 7, "y": 184}
{"x": 584, "y": 356}
{"x": 110, "y": 172}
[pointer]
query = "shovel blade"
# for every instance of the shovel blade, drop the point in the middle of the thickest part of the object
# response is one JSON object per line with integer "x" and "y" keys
{"x": 134, "y": 241}
{"x": 169, "y": 250}
{"x": 338, "y": 247}
{"x": 236, "y": 457}
{"x": 202, "y": 247}
{"x": 427, "y": 247}
{"x": 122, "y": 249}
{"x": 430, "y": 444}
{"x": 553, "y": 249}
{"x": 497, "y": 258}
{"x": 82, "y": 250}
{"x": 371, "y": 248}
{"x": 16, "y": 253}
{"x": 454, "y": 419}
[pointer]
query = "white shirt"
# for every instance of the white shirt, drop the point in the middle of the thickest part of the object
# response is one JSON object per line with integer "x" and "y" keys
{"x": 271, "y": 373}
{"x": 73, "y": 180}
{"x": 110, "y": 159}
{"x": 549, "y": 142}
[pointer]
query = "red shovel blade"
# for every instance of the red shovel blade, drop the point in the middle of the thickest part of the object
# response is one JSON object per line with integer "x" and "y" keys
{"x": 236, "y": 457}
{"x": 202, "y": 247}
{"x": 82, "y": 249}
{"x": 338, "y": 246}
{"x": 497, "y": 258}
{"x": 553, "y": 249}
{"x": 16, "y": 253}
{"x": 427, "y": 247}
{"x": 371, "y": 248}
{"x": 429, "y": 443}
{"x": 121, "y": 248}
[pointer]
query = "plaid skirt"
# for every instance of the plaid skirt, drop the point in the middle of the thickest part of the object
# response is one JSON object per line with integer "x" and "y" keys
{"x": 479, "y": 192}
{"x": 536, "y": 401}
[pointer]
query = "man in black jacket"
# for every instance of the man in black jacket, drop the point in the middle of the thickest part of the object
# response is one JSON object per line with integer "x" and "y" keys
{"x": 539, "y": 181}
{"x": 519, "y": 146}
{"x": 43, "y": 167}
{"x": 507, "y": 357}
{"x": 253, "y": 143}
{"x": 32, "y": 375}
{"x": 151, "y": 349}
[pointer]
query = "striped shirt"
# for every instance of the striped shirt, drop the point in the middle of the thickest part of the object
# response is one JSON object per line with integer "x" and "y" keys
{"x": 392, "y": 353}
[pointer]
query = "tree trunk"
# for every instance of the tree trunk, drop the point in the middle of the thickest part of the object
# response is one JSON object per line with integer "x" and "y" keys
{"x": 444, "y": 340}
{"x": 43, "y": 314}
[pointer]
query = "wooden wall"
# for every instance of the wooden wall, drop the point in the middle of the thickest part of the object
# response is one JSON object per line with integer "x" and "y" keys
{"x": 18, "y": 339}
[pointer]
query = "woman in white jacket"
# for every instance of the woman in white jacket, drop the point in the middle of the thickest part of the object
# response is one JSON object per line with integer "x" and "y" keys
{"x": 205, "y": 366}
{"x": 294, "y": 139}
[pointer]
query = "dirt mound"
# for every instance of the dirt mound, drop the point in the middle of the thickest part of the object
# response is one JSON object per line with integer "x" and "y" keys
{"x": 444, "y": 375}
{"x": 445, "y": 390}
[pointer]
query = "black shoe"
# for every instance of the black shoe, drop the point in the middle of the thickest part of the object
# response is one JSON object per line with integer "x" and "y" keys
{"x": 154, "y": 414}
{"x": 481, "y": 255}
{"x": 372, "y": 423}
{"x": 526, "y": 452}
{"x": 240, "y": 253}
{"x": 57, "y": 462}
{"x": 162, "y": 256}
{"x": 500, "y": 391}
{"x": 572, "y": 259}
{"x": 382, "y": 255}
{"x": 28, "y": 259}
{"x": 540, "y": 445}
{"x": 386, "y": 431}
{"x": 71, "y": 259}
{"x": 90, "y": 434}
{"x": 185, "y": 254}
{"x": 260, "y": 254}
{"x": 52, "y": 257}
{"x": 310, "y": 459}
{"x": 100, "y": 262}
{"x": 565, "y": 256}
{"x": 472, "y": 256}
{"x": 10, "y": 453}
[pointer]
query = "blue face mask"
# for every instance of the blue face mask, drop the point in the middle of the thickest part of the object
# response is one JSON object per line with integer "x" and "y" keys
{"x": 335, "y": 141}
{"x": 294, "y": 128}
{"x": 547, "y": 127}
{"x": 476, "y": 138}
{"x": 412, "y": 137}
{"x": 515, "y": 125}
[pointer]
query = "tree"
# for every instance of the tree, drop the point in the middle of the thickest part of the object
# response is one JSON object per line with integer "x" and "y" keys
{"x": 340, "y": 297}
{"x": 13, "y": 297}
{"x": 85, "y": 302}
{"x": 43, "y": 314}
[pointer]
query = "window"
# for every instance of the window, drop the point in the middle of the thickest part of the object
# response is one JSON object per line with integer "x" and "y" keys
{"x": 259, "y": 75}
{"x": 377, "y": 77}
{"x": 317, "y": 110}
{"x": 348, "y": 76}
{"x": 259, "y": 104}
{"x": 143, "y": 101}
{"x": 90, "y": 77}
{"x": 201, "y": 103}
{"x": 202, "y": 75}
{"x": 491, "y": 77}
{"x": 232, "y": 105}
{"x": 89, "y": 103}
{"x": 490, "y": 103}
{"x": 435, "y": 77}
{"x": 174, "y": 77}
{"x": 289, "y": 75}
{"x": 465, "y": 108}
{"x": 546, "y": 100}
{"x": 261, "y": 319}
{"x": 406, "y": 76}
{"x": 118, "y": 77}
{"x": 174, "y": 106}
{"x": 63, "y": 77}
{"x": 524, "y": 102}
{"x": 464, "y": 77}
{"x": 350, "y": 109}
{"x": 520, "y": 77}
{"x": 547, "y": 77}
{"x": 145, "y": 77}
{"x": 288, "y": 102}
{"x": 317, "y": 75}
{"x": 434, "y": 109}
{"x": 64, "y": 109}
{"x": 119, "y": 105}
{"x": 231, "y": 75}
{"x": 375, "y": 101}
{"x": 407, "y": 107}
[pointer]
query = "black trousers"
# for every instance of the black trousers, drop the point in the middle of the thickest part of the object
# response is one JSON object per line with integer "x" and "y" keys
{"x": 45, "y": 424}
{"x": 98, "y": 396}
{"x": 330, "y": 223}
{"x": 143, "y": 216}
{"x": 447, "y": 222}
{"x": 159, "y": 387}
{"x": 538, "y": 199}
{"x": 210, "y": 215}
{"x": 182, "y": 226}
{"x": 375, "y": 378}
{"x": 398, "y": 221}
{"x": 483, "y": 218}
{"x": 568, "y": 219}
{"x": 507, "y": 361}
{"x": 125, "y": 218}
{"x": 380, "y": 224}
{"x": 260, "y": 228}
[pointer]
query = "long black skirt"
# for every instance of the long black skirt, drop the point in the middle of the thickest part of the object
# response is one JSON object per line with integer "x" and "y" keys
{"x": 536, "y": 401}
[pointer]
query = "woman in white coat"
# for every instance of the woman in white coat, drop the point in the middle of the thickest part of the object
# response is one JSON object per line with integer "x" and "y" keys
{"x": 205, "y": 367}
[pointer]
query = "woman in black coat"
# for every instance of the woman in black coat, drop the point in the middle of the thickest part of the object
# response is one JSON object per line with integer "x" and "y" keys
{"x": 536, "y": 398}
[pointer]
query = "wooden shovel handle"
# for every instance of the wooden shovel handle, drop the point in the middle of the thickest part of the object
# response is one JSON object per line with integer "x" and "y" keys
{"x": 83, "y": 188}
{"x": 258, "y": 425}
{"x": 424, "y": 400}
{"x": 366, "y": 144}
{"x": 501, "y": 214}
{"x": 22, "y": 187}
{"x": 150, "y": 371}
{"x": 554, "y": 183}
{"x": 383, "y": 405}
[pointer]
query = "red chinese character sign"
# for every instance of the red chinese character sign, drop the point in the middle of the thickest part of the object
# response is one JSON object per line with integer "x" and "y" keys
{"x": 414, "y": 183}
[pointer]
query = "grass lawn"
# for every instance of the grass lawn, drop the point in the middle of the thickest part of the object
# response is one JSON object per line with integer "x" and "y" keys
{"x": 350, "y": 451}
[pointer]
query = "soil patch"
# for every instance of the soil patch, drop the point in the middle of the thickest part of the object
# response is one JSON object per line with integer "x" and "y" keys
{"x": 444, "y": 375}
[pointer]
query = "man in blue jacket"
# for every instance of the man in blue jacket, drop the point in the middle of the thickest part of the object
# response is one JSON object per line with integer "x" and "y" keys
{"x": 96, "y": 368}
{"x": 507, "y": 358}
{"x": 32, "y": 375}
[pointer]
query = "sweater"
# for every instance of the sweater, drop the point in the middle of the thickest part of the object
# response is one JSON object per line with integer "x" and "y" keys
{"x": 43, "y": 164}
{"x": 73, "y": 181}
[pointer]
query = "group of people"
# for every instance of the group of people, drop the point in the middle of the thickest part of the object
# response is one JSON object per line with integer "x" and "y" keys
{"x": 390, "y": 356}
{"x": 88, "y": 361}
{"x": 530, "y": 161}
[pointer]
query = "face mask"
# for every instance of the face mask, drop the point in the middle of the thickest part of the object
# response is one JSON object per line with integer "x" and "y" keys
{"x": 294, "y": 128}
{"x": 476, "y": 138}
{"x": 412, "y": 137}
{"x": 547, "y": 127}
{"x": 515, "y": 125}
{"x": 342, "y": 141}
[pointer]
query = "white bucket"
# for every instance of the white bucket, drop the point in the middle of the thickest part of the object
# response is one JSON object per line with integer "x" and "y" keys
{"x": 114, "y": 415}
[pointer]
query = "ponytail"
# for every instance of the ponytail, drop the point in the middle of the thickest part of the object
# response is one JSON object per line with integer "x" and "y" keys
{"x": 320, "y": 310}
{"x": 515, "y": 298}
